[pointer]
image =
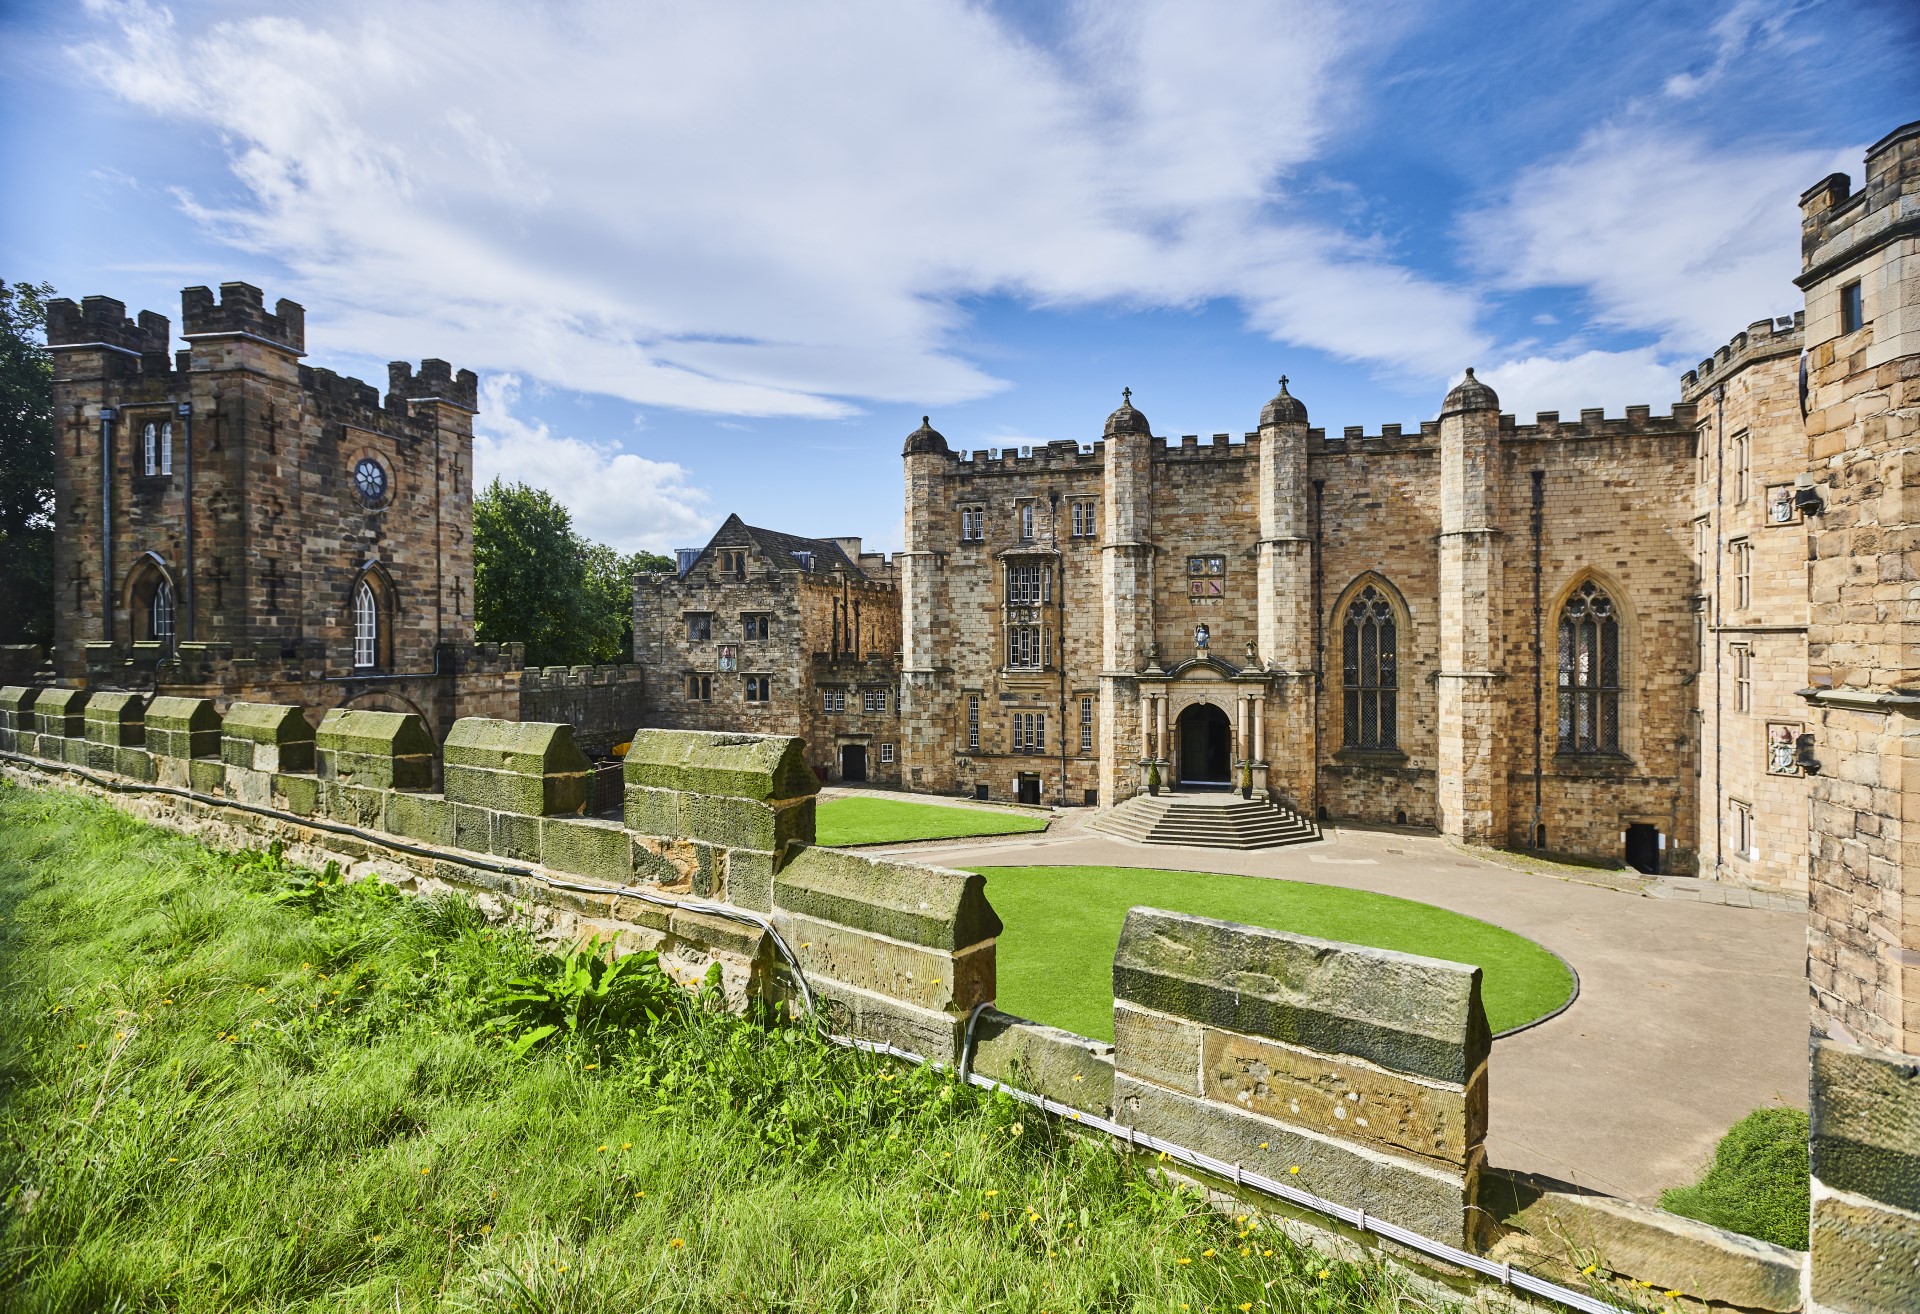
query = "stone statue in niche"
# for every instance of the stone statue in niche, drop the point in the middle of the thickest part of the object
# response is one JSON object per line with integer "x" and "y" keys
{"x": 1201, "y": 636}
{"x": 1253, "y": 655}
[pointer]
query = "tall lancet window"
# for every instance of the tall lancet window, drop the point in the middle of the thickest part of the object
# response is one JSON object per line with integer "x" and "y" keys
{"x": 1370, "y": 672}
{"x": 1589, "y": 673}
{"x": 366, "y": 626}
{"x": 160, "y": 613}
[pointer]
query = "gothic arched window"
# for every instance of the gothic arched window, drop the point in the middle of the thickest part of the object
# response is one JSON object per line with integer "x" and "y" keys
{"x": 160, "y": 613}
{"x": 366, "y": 626}
{"x": 1370, "y": 671}
{"x": 1589, "y": 672}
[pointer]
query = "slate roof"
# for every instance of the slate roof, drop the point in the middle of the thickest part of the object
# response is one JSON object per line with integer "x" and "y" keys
{"x": 780, "y": 547}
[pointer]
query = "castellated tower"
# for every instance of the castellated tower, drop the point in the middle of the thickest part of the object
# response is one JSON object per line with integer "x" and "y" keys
{"x": 1132, "y": 728}
{"x": 1471, "y": 754}
{"x": 926, "y": 623}
{"x": 1284, "y": 643}
{"x": 237, "y": 524}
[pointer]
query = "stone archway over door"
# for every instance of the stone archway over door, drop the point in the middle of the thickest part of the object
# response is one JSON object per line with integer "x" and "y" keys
{"x": 1206, "y": 746}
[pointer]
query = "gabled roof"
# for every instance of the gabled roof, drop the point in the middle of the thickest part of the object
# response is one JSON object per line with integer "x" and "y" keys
{"x": 779, "y": 547}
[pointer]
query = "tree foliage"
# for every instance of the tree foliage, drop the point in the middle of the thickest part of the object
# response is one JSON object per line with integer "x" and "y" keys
{"x": 26, "y": 466}
{"x": 537, "y": 582}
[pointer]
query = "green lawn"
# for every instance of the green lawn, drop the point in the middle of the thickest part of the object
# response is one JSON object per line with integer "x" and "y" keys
{"x": 896, "y": 821}
{"x": 1063, "y": 923}
{"x": 226, "y": 1086}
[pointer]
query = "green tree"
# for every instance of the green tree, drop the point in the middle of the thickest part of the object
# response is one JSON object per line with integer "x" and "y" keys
{"x": 26, "y": 466}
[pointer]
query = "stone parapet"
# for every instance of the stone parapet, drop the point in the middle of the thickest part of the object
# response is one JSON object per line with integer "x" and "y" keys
{"x": 1864, "y": 1106}
{"x": 266, "y": 737}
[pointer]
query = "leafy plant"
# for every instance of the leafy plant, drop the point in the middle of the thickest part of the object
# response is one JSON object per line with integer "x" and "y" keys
{"x": 582, "y": 992}
{"x": 1758, "y": 1184}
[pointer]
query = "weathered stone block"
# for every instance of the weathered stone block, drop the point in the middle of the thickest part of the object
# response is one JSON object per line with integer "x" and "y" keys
{"x": 267, "y": 737}
{"x": 116, "y": 719}
{"x": 1651, "y": 1245}
{"x": 249, "y": 786}
{"x": 1865, "y": 1260}
{"x": 296, "y": 794}
{"x": 61, "y": 712}
{"x": 531, "y": 768}
{"x": 675, "y": 864}
{"x": 472, "y": 828}
{"x": 928, "y": 978}
{"x": 98, "y": 756}
{"x": 377, "y": 750}
{"x": 598, "y": 850}
{"x": 721, "y": 935}
{"x": 923, "y": 1031}
{"x": 135, "y": 763}
{"x": 206, "y": 776}
{"x": 423, "y": 817}
{"x": 1157, "y": 1048}
{"x": 1416, "y": 1015}
{"x": 749, "y": 879}
{"x": 933, "y": 906}
{"x": 515, "y": 836}
{"x": 1045, "y": 1060}
{"x": 761, "y": 767}
{"x": 183, "y": 727}
{"x": 354, "y": 805}
{"x": 74, "y": 751}
{"x": 730, "y": 822}
{"x": 1436, "y": 1120}
{"x": 1409, "y": 1192}
{"x": 1865, "y": 1114}
{"x": 16, "y": 715}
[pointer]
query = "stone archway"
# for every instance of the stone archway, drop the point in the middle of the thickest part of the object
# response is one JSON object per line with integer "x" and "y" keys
{"x": 1206, "y": 746}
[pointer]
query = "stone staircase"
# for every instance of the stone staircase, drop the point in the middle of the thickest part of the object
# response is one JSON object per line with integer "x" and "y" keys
{"x": 1211, "y": 820}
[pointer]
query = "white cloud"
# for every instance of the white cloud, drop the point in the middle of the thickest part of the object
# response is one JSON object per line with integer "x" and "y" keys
{"x": 615, "y": 497}
{"x": 1614, "y": 380}
{"x": 774, "y": 209}
{"x": 1665, "y": 234}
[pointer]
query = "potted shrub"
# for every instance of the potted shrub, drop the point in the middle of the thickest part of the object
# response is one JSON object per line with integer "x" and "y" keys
{"x": 1153, "y": 779}
{"x": 1246, "y": 780}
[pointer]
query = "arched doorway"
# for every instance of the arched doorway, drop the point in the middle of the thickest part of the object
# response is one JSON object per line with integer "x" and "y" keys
{"x": 1206, "y": 746}
{"x": 853, "y": 761}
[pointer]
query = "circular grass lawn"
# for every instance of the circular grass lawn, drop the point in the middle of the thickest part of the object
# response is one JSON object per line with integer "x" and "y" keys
{"x": 1063, "y": 924}
{"x": 842, "y": 821}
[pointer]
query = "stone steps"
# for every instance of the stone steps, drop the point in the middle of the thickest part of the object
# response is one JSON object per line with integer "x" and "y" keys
{"x": 1212, "y": 821}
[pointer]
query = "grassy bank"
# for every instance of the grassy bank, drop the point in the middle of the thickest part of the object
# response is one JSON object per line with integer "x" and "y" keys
{"x": 226, "y": 1085}
{"x": 843, "y": 821}
{"x": 1056, "y": 955}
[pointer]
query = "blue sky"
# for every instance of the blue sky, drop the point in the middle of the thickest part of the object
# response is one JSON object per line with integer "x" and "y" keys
{"x": 722, "y": 258}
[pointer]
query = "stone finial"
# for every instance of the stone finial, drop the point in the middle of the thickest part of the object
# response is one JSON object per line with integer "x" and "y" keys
{"x": 1470, "y": 395}
{"x": 926, "y": 439}
{"x": 1285, "y": 408}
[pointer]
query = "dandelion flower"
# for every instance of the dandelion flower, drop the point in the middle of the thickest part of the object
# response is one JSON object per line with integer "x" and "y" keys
{"x": 984, "y": 1215}
{"x": 639, "y": 1195}
{"x": 1266, "y": 1254}
{"x": 425, "y": 1171}
{"x": 1017, "y": 1128}
{"x": 1589, "y": 1270}
{"x": 486, "y": 1228}
{"x": 1263, "y": 1145}
{"x": 376, "y": 1236}
{"x": 119, "y": 1035}
{"x": 601, "y": 1150}
{"x": 1245, "y": 1305}
{"x": 1207, "y": 1253}
{"x": 172, "y": 1159}
{"x": 1239, "y": 1218}
{"x": 1323, "y": 1275}
{"x": 1183, "y": 1260}
{"x": 1294, "y": 1169}
{"x": 991, "y": 1194}
{"x": 1672, "y": 1295}
{"x": 626, "y": 1145}
{"x": 677, "y": 1244}
{"x": 166, "y": 1001}
{"x": 1163, "y": 1156}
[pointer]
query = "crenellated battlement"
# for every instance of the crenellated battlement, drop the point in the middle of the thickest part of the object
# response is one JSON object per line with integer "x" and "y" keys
{"x": 1547, "y": 426}
{"x": 241, "y": 312}
{"x": 547, "y": 679}
{"x": 1061, "y": 454}
{"x": 103, "y": 322}
{"x": 1838, "y": 225}
{"x": 436, "y": 381}
{"x": 1763, "y": 339}
{"x": 1392, "y": 437}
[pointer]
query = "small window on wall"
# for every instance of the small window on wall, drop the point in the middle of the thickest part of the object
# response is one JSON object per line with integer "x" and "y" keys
{"x": 973, "y": 524}
{"x": 1029, "y": 732}
{"x": 1026, "y": 520}
{"x": 1206, "y": 577}
{"x": 161, "y": 614}
{"x": 1083, "y": 519}
{"x": 1853, "y": 308}
{"x": 873, "y": 700}
{"x": 733, "y": 562}
{"x": 366, "y": 627}
{"x": 753, "y": 628}
{"x": 700, "y": 628}
{"x": 1740, "y": 829}
{"x": 886, "y": 754}
{"x": 1742, "y": 467}
{"x": 157, "y": 448}
{"x": 973, "y": 723}
{"x": 700, "y": 688}
{"x": 759, "y": 688}
{"x": 833, "y": 700}
{"x": 1742, "y": 550}
{"x": 1086, "y": 725}
{"x": 1742, "y": 678}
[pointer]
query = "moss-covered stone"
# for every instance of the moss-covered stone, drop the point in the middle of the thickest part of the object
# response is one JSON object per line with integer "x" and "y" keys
{"x": 299, "y": 795}
{"x": 267, "y": 737}
{"x": 599, "y": 850}
{"x": 715, "y": 819}
{"x": 16, "y": 715}
{"x": 375, "y": 750}
{"x": 134, "y": 763}
{"x": 761, "y": 767}
{"x": 206, "y": 776}
{"x": 1865, "y": 1123}
{"x": 923, "y": 977}
{"x": 427, "y": 818}
{"x": 515, "y": 836}
{"x": 117, "y": 719}
{"x": 472, "y": 828}
{"x": 183, "y": 727}
{"x": 934, "y": 906}
{"x": 1865, "y": 1260}
{"x": 749, "y": 879}
{"x": 61, "y": 712}
{"x": 1046, "y": 1060}
{"x": 354, "y": 805}
{"x": 1417, "y": 1015}
{"x": 532, "y": 768}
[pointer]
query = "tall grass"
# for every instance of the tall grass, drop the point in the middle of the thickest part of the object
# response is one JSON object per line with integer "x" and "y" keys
{"x": 227, "y": 1085}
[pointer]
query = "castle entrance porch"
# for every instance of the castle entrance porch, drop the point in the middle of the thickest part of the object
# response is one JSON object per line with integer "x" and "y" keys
{"x": 1205, "y": 747}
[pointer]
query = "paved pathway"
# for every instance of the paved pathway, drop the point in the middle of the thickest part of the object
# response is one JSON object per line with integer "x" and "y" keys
{"x": 1690, "y": 1013}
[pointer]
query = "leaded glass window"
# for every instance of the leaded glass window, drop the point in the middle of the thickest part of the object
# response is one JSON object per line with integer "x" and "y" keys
{"x": 1589, "y": 673}
{"x": 161, "y": 618}
{"x": 366, "y": 626}
{"x": 1370, "y": 652}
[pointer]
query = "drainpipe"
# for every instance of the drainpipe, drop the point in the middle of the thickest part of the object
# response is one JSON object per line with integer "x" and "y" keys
{"x": 1319, "y": 648}
{"x": 107, "y": 414}
{"x": 185, "y": 411}
{"x": 1060, "y": 625}
{"x": 1719, "y": 552}
{"x": 1539, "y": 651}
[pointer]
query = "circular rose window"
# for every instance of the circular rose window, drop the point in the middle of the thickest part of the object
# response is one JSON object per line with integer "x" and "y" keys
{"x": 370, "y": 481}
